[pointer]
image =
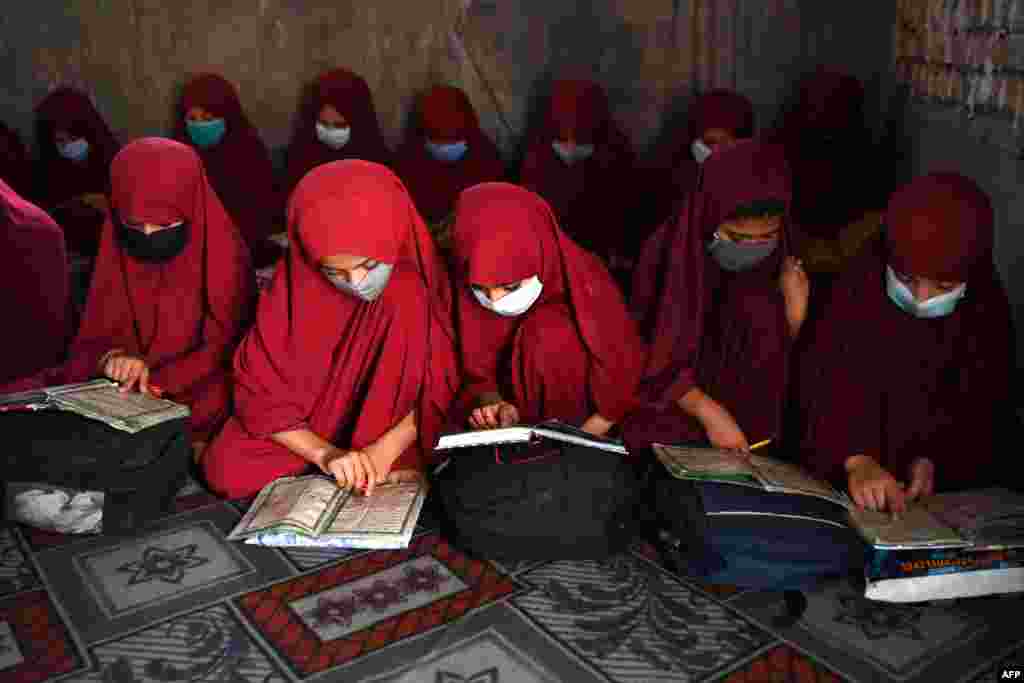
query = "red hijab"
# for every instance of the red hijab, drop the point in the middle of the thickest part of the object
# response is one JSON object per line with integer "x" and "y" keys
{"x": 723, "y": 332}
{"x": 239, "y": 166}
{"x": 590, "y": 198}
{"x": 34, "y": 278}
{"x": 939, "y": 387}
{"x": 184, "y": 316}
{"x": 504, "y": 233}
{"x": 827, "y": 141}
{"x": 322, "y": 359}
{"x": 446, "y": 115}
{"x": 15, "y": 165}
{"x": 350, "y": 95}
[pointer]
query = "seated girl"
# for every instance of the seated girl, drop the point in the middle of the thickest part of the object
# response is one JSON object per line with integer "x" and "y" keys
{"x": 545, "y": 333}
{"x": 172, "y": 288}
{"x": 212, "y": 121}
{"x": 351, "y": 366}
{"x": 730, "y": 303}
{"x": 905, "y": 387}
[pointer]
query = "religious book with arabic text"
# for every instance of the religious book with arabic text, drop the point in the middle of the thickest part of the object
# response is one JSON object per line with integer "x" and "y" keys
{"x": 552, "y": 430}
{"x": 314, "y": 511}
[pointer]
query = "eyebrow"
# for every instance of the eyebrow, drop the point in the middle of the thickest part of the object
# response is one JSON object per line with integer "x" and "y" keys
{"x": 361, "y": 264}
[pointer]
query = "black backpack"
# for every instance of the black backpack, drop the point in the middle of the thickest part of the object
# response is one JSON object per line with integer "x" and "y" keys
{"x": 539, "y": 501}
{"x": 140, "y": 474}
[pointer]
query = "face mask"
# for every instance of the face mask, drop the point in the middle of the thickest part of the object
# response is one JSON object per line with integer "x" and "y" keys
{"x": 514, "y": 303}
{"x": 571, "y": 156}
{"x": 448, "y": 152}
{"x": 701, "y": 152}
{"x": 335, "y": 138}
{"x": 369, "y": 288}
{"x": 159, "y": 247}
{"x": 737, "y": 256}
{"x": 206, "y": 133}
{"x": 76, "y": 150}
{"x": 936, "y": 307}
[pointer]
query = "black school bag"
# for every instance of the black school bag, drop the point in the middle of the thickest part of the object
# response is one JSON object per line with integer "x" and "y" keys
{"x": 140, "y": 474}
{"x": 539, "y": 501}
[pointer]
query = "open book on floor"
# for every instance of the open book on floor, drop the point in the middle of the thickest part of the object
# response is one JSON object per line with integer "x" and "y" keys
{"x": 552, "y": 430}
{"x": 983, "y": 519}
{"x": 313, "y": 511}
{"x": 102, "y": 400}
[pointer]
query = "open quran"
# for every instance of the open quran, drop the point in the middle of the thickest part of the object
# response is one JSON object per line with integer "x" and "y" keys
{"x": 552, "y": 430}
{"x": 313, "y": 510}
{"x": 101, "y": 400}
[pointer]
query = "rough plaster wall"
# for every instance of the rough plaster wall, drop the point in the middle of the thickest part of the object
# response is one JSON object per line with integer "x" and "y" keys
{"x": 133, "y": 55}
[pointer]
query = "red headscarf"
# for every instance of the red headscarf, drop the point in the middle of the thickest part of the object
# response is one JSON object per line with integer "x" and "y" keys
{"x": 61, "y": 179}
{"x": 239, "y": 166}
{"x": 673, "y": 173}
{"x": 723, "y": 332}
{"x": 937, "y": 388}
{"x": 15, "y": 165}
{"x": 350, "y": 95}
{"x": 590, "y": 198}
{"x": 827, "y": 142}
{"x": 34, "y": 278}
{"x": 184, "y": 316}
{"x": 321, "y": 359}
{"x": 504, "y": 233}
{"x": 446, "y": 115}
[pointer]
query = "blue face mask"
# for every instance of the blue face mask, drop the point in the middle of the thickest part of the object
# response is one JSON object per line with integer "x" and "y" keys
{"x": 935, "y": 307}
{"x": 447, "y": 152}
{"x": 738, "y": 256}
{"x": 206, "y": 133}
{"x": 76, "y": 150}
{"x": 367, "y": 289}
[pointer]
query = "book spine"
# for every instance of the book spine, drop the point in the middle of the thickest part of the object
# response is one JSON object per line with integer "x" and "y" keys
{"x": 904, "y": 564}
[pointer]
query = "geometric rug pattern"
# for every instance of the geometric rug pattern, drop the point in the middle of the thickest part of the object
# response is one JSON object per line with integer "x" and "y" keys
{"x": 178, "y": 602}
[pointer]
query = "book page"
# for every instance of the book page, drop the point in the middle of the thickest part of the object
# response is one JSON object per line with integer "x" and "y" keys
{"x": 110, "y": 405}
{"x": 790, "y": 478}
{"x": 559, "y": 431}
{"x": 485, "y": 437}
{"x": 684, "y": 461}
{"x": 915, "y": 527}
{"x": 302, "y": 503}
{"x": 985, "y": 516}
{"x": 386, "y": 512}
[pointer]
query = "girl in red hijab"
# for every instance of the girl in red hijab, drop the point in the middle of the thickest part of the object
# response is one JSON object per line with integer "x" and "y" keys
{"x": 545, "y": 333}
{"x": 75, "y": 151}
{"x": 905, "y": 388}
{"x": 730, "y": 302}
{"x": 445, "y": 153}
{"x": 351, "y": 365}
{"x": 34, "y": 278}
{"x": 15, "y": 165}
{"x": 581, "y": 163}
{"x": 172, "y": 288}
{"x": 211, "y": 120}
{"x": 337, "y": 121}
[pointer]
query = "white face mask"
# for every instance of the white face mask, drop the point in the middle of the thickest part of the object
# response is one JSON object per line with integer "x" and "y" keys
{"x": 701, "y": 152}
{"x": 935, "y": 307}
{"x": 335, "y": 138}
{"x": 514, "y": 303}
{"x": 570, "y": 155}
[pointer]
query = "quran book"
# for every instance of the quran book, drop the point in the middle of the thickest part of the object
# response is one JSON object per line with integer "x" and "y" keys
{"x": 102, "y": 400}
{"x": 314, "y": 511}
{"x": 551, "y": 430}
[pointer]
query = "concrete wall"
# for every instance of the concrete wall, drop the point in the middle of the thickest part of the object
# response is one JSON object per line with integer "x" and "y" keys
{"x": 133, "y": 55}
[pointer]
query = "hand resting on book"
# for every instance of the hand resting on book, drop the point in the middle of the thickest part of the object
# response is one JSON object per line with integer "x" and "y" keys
{"x": 494, "y": 415}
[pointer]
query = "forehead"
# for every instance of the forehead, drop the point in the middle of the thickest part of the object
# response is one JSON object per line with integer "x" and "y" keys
{"x": 762, "y": 225}
{"x": 343, "y": 261}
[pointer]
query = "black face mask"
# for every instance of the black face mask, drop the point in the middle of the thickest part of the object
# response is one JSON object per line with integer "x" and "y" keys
{"x": 160, "y": 247}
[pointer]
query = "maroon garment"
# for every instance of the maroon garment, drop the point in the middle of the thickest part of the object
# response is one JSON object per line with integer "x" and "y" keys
{"x": 34, "y": 278}
{"x": 350, "y": 95}
{"x": 184, "y": 316}
{"x": 445, "y": 115}
{"x": 590, "y": 198}
{"x": 909, "y": 387}
{"x": 721, "y": 331}
{"x": 672, "y": 171}
{"x": 576, "y": 351}
{"x": 322, "y": 359}
{"x": 15, "y": 165}
{"x": 61, "y": 179}
{"x": 239, "y": 166}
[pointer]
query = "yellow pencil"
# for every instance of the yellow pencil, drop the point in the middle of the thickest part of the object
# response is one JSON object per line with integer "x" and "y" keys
{"x": 760, "y": 443}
